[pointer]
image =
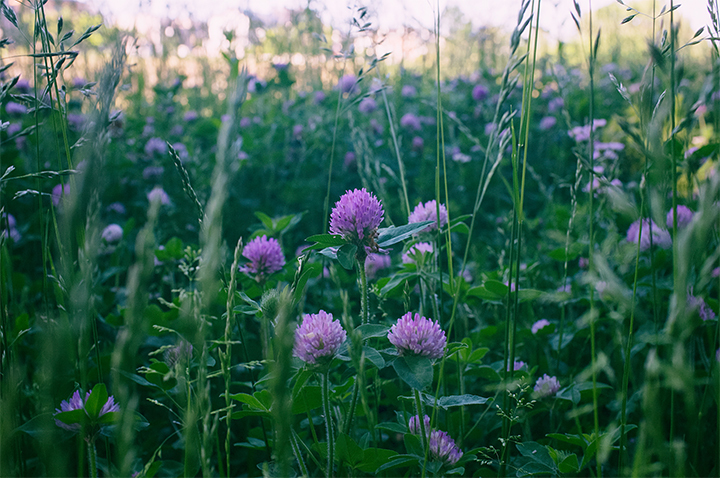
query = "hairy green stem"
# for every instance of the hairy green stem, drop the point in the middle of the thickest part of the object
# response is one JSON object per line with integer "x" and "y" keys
{"x": 325, "y": 390}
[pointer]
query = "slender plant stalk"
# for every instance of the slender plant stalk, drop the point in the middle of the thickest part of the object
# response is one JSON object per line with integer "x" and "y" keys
{"x": 329, "y": 435}
{"x": 591, "y": 221}
{"x": 424, "y": 435}
{"x": 226, "y": 357}
{"x": 92, "y": 456}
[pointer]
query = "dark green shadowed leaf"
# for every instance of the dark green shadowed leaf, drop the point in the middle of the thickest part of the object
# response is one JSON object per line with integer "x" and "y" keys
{"x": 346, "y": 256}
{"x": 416, "y": 371}
{"x": 72, "y": 417}
{"x": 97, "y": 399}
{"x": 392, "y": 235}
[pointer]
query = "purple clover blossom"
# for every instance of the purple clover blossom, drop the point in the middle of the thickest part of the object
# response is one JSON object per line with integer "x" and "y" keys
{"x": 13, "y": 108}
{"x": 356, "y": 217}
{"x": 479, "y": 92}
{"x": 697, "y": 303}
{"x": 408, "y": 91}
{"x": 547, "y": 386}
{"x": 547, "y": 122}
{"x": 159, "y": 194}
{"x": 318, "y": 97}
{"x": 410, "y": 121}
{"x": 684, "y": 215}
{"x": 517, "y": 365}
{"x": 60, "y": 192}
{"x": 155, "y": 145}
{"x": 418, "y": 143}
{"x": 428, "y": 212}
{"x": 414, "y": 425}
{"x": 421, "y": 248}
{"x": 539, "y": 325}
{"x": 367, "y": 105}
{"x": 349, "y": 159}
{"x": 318, "y": 337}
{"x": 77, "y": 403}
{"x": 12, "y": 232}
{"x": 112, "y": 234}
{"x": 265, "y": 257}
{"x": 555, "y": 104}
{"x": 348, "y": 84}
{"x": 116, "y": 207}
{"x": 443, "y": 447}
{"x": 417, "y": 335}
{"x": 190, "y": 116}
{"x": 660, "y": 237}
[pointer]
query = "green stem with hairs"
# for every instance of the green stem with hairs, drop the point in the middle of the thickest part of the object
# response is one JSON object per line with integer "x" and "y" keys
{"x": 325, "y": 390}
{"x": 423, "y": 433}
{"x": 92, "y": 456}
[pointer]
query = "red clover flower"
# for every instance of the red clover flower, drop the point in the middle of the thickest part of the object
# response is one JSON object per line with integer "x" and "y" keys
{"x": 318, "y": 337}
{"x": 265, "y": 257}
{"x": 442, "y": 446}
{"x": 428, "y": 212}
{"x": 418, "y": 335}
{"x": 547, "y": 386}
{"x": 356, "y": 217}
{"x": 76, "y": 402}
{"x": 660, "y": 237}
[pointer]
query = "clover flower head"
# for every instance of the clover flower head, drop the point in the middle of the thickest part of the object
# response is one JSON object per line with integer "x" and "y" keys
{"x": 428, "y": 212}
{"x": 547, "y": 122}
{"x": 684, "y": 215}
{"x": 539, "y": 325}
{"x": 158, "y": 194}
{"x": 418, "y": 335}
{"x": 348, "y": 84}
{"x": 59, "y": 192}
{"x": 356, "y": 216}
{"x": 442, "y": 447}
{"x": 76, "y": 402}
{"x": 697, "y": 303}
{"x": 479, "y": 92}
{"x": 517, "y": 365}
{"x": 414, "y": 425}
{"x": 318, "y": 337}
{"x": 547, "y": 386}
{"x": 410, "y": 121}
{"x": 155, "y": 146}
{"x": 419, "y": 248}
{"x": 265, "y": 256}
{"x": 660, "y": 237}
{"x": 408, "y": 91}
{"x": 367, "y": 105}
{"x": 418, "y": 143}
{"x": 112, "y": 234}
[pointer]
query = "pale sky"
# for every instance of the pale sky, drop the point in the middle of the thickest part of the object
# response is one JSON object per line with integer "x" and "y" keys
{"x": 555, "y": 14}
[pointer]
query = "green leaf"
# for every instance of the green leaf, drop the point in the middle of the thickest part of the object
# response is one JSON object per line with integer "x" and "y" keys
{"x": 398, "y": 461}
{"x": 109, "y": 418}
{"x": 392, "y": 427}
{"x": 416, "y": 371}
{"x": 346, "y": 256}
{"x": 392, "y": 235}
{"x": 482, "y": 293}
{"x": 374, "y": 458}
{"x": 327, "y": 240}
{"x": 374, "y": 356}
{"x": 526, "y": 295}
{"x": 460, "y": 400}
{"x": 569, "y": 464}
{"x": 97, "y": 399}
{"x": 477, "y": 355}
{"x": 536, "y": 452}
{"x": 574, "y": 251}
{"x": 347, "y": 451}
{"x": 310, "y": 398}
{"x": 72, "y": 417}
{"x": 413, "y": 445}
{"x": 396, "y": 280}
{"x": 265, "y": 219}
{"x": 250, "y": 400}
{"x": 496, "y": 287}
{"x": 368, "y": 331}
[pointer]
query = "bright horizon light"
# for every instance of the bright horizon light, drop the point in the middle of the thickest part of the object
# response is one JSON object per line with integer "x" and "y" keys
{"x": 392, "y": 14}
